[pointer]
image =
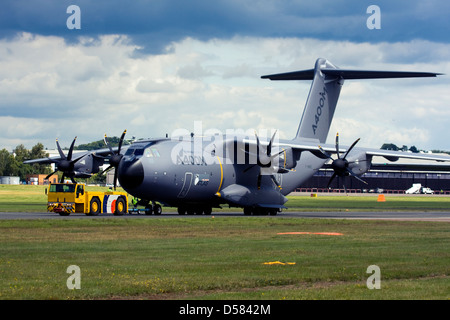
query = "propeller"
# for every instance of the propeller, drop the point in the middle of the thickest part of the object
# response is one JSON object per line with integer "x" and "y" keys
{"x": 66, "y": 164}
{"x": 264, "y": 161}
{"x": 341, "y": 165}
{"x": 115, "y": 157}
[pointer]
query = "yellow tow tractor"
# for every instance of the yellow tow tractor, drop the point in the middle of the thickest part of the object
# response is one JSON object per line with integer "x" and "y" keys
{"x": 67, "y": 198}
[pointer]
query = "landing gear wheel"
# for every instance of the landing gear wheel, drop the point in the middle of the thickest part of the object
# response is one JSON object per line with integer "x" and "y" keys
{"x": 258, "y": 211}
{"x": 207, "y": 210}
{"x": 181, "y": 210}
{"x": 157, "y": 210}
{"x": 148, "y": 210}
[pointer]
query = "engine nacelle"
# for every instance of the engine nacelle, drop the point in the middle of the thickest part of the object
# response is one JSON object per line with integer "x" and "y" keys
{"x": 88, "y": 165}
{"x": 359, "y": 163}
{"x": 286, "y": 158}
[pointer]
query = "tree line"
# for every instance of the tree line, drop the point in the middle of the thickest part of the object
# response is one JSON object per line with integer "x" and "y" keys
{"x": 11, "y": 164}
{"x": 413, "y": 149}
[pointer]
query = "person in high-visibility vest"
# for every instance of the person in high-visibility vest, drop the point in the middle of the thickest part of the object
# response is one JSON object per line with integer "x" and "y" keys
{"x": 134, "y": 202}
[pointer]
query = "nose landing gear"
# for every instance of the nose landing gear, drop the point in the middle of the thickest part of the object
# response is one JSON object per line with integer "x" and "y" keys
{"x": 150, "y": 208}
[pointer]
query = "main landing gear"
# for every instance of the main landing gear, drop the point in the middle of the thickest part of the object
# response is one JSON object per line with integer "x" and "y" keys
{"x": 258, "y": 211}
{"x": 199, "y": 210}
{"x": 248, "y": 211}
{"x": 156, "y": 209}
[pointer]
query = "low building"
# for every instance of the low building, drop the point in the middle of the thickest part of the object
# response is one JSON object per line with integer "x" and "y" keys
{"x": 39, "y": 179}
{"x": 9, "y": 180}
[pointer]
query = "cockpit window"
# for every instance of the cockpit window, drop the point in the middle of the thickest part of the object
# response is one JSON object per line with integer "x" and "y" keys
{"x": 130, "y": 151}
{"x": 152, "y": 152}
{"x": 155, "y": 152}
{"x": 138, "y": 149}
{"x": 148, "y": 153}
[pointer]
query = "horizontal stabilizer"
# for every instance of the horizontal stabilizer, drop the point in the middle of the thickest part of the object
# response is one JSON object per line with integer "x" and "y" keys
{"x": 349, "y": 74}
{"x": 296, "y": 75}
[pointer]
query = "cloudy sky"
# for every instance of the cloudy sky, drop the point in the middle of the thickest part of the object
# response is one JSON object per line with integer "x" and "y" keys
{"x": 154, "y": 66}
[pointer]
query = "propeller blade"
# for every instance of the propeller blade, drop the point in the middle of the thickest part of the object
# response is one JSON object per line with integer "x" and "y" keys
{"x": 107, "y": 169}
{"x": 257, "y": 148}
{"x": 266, "y": 159}
{"x": 257, "y": 139}
{"x": 69, "y": 156}
{"x": 331, "y": 179}
{"x": 269, "y": 147}
{"x": 46, "y": 178}
{"x": 325, "y": 153}
{"x": 115, "y": 179}
{"x": 355, "y": 176}
{"x": 121, "y": 140}
{"x": 115, "y": 157}
{"x": 351, "y": 147}
{"x": 108, "y": 145}
{"x": 77, "y": 159}
{"x": 61, "y": 153}
{"x": 337, "y": 145}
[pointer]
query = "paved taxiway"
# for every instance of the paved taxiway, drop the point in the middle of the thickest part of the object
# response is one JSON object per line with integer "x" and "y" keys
{"x": 407, "y": 216}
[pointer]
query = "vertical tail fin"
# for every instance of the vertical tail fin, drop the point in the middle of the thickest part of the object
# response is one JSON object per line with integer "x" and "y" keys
{"x": 324, "y": 93}
{"x": 321, "y": 103}
{"x": 322, "y": 99}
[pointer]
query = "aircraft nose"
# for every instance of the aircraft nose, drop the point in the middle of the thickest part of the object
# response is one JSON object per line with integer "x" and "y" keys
{"x": 131, "y": 174}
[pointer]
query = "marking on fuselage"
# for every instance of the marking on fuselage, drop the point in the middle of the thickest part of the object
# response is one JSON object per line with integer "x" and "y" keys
{"x": 221, "y": 175}
{"x": 186, "y": 185}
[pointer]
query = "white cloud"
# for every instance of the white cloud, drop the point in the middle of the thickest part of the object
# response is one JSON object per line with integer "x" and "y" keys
{"x": 53, "y": 89}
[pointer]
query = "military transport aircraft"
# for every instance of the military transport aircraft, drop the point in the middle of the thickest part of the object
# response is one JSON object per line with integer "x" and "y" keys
{"x": 196, "y": 173}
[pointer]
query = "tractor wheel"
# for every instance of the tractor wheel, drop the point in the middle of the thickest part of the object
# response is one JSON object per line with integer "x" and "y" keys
{"x": 120, "y": 207}
{"x": 95, "y": 207}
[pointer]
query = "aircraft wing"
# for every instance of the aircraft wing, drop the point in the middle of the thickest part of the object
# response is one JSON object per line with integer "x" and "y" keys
{"x": 387, "y": 154}
{"x": 363, "y": 154}
{"x": 49, "y": 160}
{"x": 317, "y": 149}
{"x": 395, "y": 155}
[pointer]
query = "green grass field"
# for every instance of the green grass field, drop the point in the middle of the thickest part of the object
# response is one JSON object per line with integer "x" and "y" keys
{"x": 222, "y": 257}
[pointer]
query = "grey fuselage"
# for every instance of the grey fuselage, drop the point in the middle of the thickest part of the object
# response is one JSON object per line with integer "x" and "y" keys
{"x": 190, "y": 172}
